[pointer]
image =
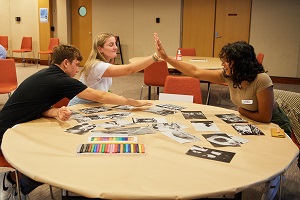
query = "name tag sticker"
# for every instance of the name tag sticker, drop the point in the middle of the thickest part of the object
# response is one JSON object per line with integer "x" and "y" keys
{"x": 247, "y": 101}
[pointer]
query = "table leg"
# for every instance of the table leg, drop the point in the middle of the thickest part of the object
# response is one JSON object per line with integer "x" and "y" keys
{"x": 208, "y": 93}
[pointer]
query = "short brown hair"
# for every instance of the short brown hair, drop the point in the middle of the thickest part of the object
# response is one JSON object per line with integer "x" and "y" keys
{"x": 62, "y": 52}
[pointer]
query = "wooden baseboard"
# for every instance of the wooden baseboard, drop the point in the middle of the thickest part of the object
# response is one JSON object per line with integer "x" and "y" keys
{"x": 286, "y": 80}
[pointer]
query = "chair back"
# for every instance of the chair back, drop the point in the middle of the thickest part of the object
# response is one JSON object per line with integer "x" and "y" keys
{"x": 184, "y": 85}
{"x": 156, "y": 73}
{"x": 8, "y": 76}
{"x": 63, "y": 102}
{"x": 4, "y": 41}
{"x": 53, "y": 43}
{"x": 26, "y": 43}
{"x": 260, "y": 58}
{"x": 187, "y": 51}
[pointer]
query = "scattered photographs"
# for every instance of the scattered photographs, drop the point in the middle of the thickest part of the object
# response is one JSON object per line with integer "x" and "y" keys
{"x": 205, "y": 126}
{"x": 247, "y": 129}
{"x": 221, "y": 140}
{"x": 124, "y": 131}
{"x": 180, "y": 136}
{"x": 167, "y": 126}
{"x": 81, "y": 128}
{"x": 93, "y": 110}
{"x": 160, "y": 111}
{"x": 149, "y": 120}
{"x": 114, "y": 124}
{"x": 119, "y": 115}
{"x": 211, "y": 154}
{"x": 171, "y": 107}
{"x": 81, "y": 118}
{"x": 124, "y": 107}
{"x": 231, "y": 118}
{"x": 193, "y": 115}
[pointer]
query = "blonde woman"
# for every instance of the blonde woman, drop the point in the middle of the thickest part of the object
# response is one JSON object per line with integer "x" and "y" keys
{"x": 99, "y": 68}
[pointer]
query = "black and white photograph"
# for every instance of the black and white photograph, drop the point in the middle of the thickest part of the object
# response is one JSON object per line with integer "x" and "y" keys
{"x": 168, "y": 126}
{"x": 204, "y": 126}
{"x": 148, "y": 120}
{"x": 247, "y": 129}
{"x": 94, "y": 110}
{"x": 115, "y": 124}
{"x": 231, "y": 118}
{"x": 81, "y": 128}
{"x": 88, "y": 118}
{"x": 180, "y": 136}
{"x": 124, "y": 131}
{"x": 160, "y": 111}
{"x": 75, "y": 114}
{"x": 171, "y": 107}
{"x": 221, "y": 140}
{"x": 211, "y": 154}
{"x": 119, "y": 115}
{"x": 124, "y": 107}
{"x": 193, "y": 115}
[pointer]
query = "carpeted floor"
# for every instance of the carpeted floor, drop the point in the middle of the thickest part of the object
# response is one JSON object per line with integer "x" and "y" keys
{"x": 130, "y": 86}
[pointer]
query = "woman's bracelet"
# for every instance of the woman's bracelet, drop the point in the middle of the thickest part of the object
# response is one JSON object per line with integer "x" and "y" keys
{"x": 155, "y": 57}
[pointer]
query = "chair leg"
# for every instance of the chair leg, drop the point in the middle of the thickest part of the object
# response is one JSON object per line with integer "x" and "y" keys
{"x": 208, "y": 93}
{"x": 141, "y": 92}
{"x": 51, "y": 192}
{"x": 149, "y": 92}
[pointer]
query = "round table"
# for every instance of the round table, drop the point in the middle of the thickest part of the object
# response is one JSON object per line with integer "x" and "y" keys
{"x": 42, "y": 150}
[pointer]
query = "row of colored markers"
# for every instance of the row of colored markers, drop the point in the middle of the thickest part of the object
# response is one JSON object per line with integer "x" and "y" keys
{"x": 111, "y": 148}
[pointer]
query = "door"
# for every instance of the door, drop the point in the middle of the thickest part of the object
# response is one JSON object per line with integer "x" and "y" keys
{"x": 210, "y": 24}
{"x": 82, "y": 27}
{"x": 198, "y": 26}
{"x": 232, "y": 22}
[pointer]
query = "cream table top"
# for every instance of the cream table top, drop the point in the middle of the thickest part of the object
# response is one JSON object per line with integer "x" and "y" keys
{"x": 42, "y": 150}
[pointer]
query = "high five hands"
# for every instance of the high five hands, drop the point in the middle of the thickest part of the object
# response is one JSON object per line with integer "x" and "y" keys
{"x": 160, "y": 49}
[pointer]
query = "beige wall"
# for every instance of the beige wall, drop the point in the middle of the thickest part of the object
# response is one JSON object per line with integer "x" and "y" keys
{"x": 275, "y": 29}
{"x": 28, "y": 26}
{"x": 134, "y": 22}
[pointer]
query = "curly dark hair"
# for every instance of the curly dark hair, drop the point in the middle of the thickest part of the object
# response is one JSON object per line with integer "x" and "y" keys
{"x": 245, "y": 66}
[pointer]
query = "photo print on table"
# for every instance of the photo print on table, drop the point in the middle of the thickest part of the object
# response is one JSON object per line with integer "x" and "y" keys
{"x": 247, "y": 129}
{"x": 204, "y": 126}
{"x": 180, "y": 136}
{"x": 149, "y": 120}
{"x": 221, "y": 140}
{"x": 160, "y": 111}
{"x": 193, "y": 115}
{"x": 124, "y": 131}
{"x": 231, "y": 118}
{"x": 115, "y": 124}
{"x": 93, "y": 110}
{"x": 171, "y": 107}
{"x": 211, "y": 154}
{"x": 124, "y": 107}
{"x": 81, "y": 128}
{"x": 90, "y": 118}
{"x": 119, "y": 115}
{"x": 167, "y": 126}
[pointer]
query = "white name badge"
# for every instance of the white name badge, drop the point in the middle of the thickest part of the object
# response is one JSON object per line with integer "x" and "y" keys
{"x": 247, "y": 101}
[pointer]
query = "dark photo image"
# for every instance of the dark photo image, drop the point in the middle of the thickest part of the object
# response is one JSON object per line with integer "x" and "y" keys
{"x": 193, "y": 115}
{"x": 211, "y": 154}
{"x": 231, "y": 118}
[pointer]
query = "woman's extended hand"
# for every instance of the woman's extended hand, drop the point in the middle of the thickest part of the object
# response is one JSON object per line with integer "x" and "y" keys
{"x": 160, "y": 49}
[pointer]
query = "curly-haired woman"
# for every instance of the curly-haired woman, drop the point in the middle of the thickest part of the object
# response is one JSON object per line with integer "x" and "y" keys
{"x": 251, "y": 89}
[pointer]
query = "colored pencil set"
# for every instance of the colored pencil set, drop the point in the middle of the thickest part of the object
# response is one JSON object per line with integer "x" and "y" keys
{"x": 111, "y": 148}
{"x": 108, "y": 139}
